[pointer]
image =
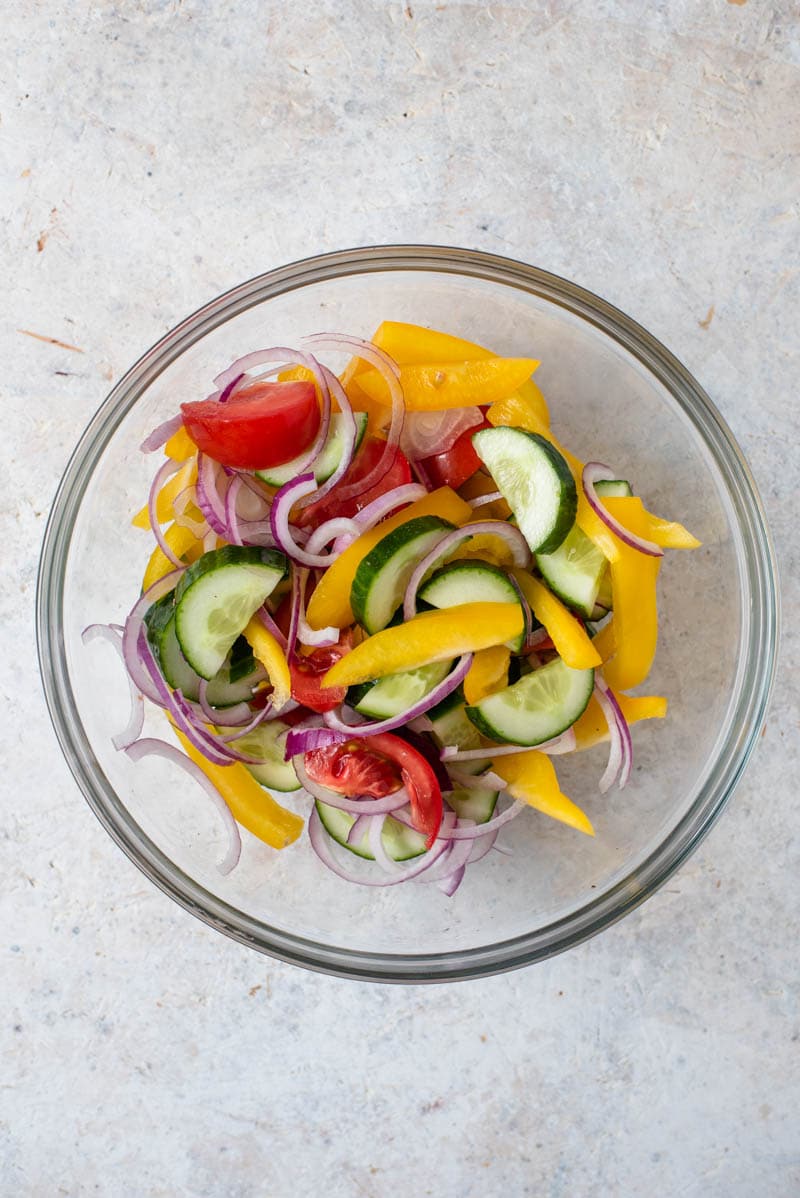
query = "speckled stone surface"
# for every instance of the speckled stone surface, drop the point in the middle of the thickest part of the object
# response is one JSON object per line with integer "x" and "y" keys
{"x": 154, "y": 154}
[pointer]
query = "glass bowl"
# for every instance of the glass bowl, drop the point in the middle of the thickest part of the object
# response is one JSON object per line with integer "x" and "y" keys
{"x": 616, "y": 395}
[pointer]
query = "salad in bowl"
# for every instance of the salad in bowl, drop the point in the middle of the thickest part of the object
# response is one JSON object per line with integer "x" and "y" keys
{"x": 381, "y": 605}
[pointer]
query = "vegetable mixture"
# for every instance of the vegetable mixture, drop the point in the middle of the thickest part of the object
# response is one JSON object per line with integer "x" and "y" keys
{"x": 393, "y": 593}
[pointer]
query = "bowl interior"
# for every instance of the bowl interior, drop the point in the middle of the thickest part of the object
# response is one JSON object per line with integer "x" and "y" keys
{"x": 607, "y": 402}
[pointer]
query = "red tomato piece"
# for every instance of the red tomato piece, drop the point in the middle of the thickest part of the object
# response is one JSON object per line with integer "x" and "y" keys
{"x": 264, "y": 424}
{"x": 352, "y": 769}
{"x": 307, "y": 670}
{"x": 364, "y": 462}
{"x": 458, "y": 463}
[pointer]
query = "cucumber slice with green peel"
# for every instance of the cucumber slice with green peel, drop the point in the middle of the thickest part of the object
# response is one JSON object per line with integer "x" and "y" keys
{"x": 268, "y": 742}
{"x": 400, "y": 842}
{"x": 396, "y": 693}
{"x": 575, "y": 571}
{"x": 328, "y": 460}
{"x": 534, "y": 480}
{"x": 541, "y": 705}
{"x": 230, "y": 685}
{"x": 215, "y": 598}
{"x": 604, "y": 597}
{"x": 382, "y": 576}
{"x": 471, "y": 582}
{"x": 613, "y": 488}
{"x": 451, "y": 726}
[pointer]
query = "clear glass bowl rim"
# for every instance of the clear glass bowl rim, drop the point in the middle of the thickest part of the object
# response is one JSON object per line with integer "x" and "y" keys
{"x": 760, "y": 637}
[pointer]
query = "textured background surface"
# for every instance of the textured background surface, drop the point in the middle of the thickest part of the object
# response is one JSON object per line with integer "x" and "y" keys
{"x": 155, "y": 153}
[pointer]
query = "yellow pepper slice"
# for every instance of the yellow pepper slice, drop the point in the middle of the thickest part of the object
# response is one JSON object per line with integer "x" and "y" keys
{"x": 431, "y": 636}
{"x": 180, "y": 446}
{"x": 567, "y": 634}
{"x": 182, "y": 542}
{"x": 437, "y": 386}
{"x": 531, "y": 776}
{"x": 330, "y": 602}
{"x": 251, "y": 805}
{"x": 631, "y": 512}
{"x": 268, "y": 651}
{"x": 635, "y": 614}
{"x": 592, "y": 728}
{"x": 604, "y": 642}
{"x": 166, "y": 497}
{"x": 487, "y": 674}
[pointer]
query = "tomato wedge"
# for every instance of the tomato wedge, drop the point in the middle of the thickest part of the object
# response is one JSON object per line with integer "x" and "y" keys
{"x": 458, "y": 463}
{"x": 374, "y": 761}
{"x": 262, "y": 425}
{"x": 352, "y": 769}
{"x": 307, "y": 671}
{"x": 364, "y": 462}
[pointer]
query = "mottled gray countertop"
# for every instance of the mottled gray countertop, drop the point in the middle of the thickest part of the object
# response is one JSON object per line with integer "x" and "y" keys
{"x": 154, "y": 153}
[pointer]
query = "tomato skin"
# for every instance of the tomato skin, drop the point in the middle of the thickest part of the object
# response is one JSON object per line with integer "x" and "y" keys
{"x": 364, "y": 462}
{"x": 306, "y": 672}
{"x": 263, "y": 424}
{"x": 453, "y": 467}
{"x": 353, "y": 769}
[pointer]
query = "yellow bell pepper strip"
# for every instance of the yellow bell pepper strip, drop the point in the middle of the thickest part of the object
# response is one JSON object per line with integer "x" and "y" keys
{"x": 251, "y": 805}
{"x": 438, "y": 386}
{"x": 635, "y": 616}
{"x": 267, "y": 650}
{"x": 166, "y": 497}
{"x": 180, "y": 446}
{"x": 591, "y": 728}
{"x": 182, "y": 542}
{"x": 485, "y": 548}
{"x": 629, "y": 511}
{"x": 483, "y": 484}
{"x": 430, "y": 636}
{"x": 330, "y": 603}
{"x": 487, "y": 674}
{"x": 531, "y": 776}
{"x": 567, "y": 634}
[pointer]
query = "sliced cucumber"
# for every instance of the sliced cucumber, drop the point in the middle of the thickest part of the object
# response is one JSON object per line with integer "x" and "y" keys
{"x": 471, "y": 582}
{"x": 534, "y": 480}
{"x": 575, "y": 571}
{"x": 230, "y": 685}
{"x": 267, "y": 742}
{"x": 613, "y": 488}
{"x": 538, "y": 707}
{"x": 383, "y": 575}
{"x": 473, "y": 803}
{"x": 216, "y": 597}
{"x": 397, "y": 692}
{"x": 451, "y": 726}
{"x": 400, "y": 842}
{"x": 328, "y": 460}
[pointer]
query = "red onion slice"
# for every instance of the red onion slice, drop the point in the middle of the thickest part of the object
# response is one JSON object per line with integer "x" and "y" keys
{"x": 487, "y": 781}
{"x": 375, "y": 511}
{"x": 208, "y": 497}
{"x": 391, "y": 373}
{"x": 133, "y": 627}
{"x": 350, "y": 437}
{"x": 161, "y": 434}
{"x": 565, "y": 742}
{"x": 321, "y": 845}
{"x": 595, "y": 472}
{"x": 428, "y": 433}
{"x": 450, "y": 540}
{"x": 133, "y": 729}
{"x": 375, "y": 842}
{"x": 303, "y": 740}
{"x": 279, "y": 518}
{"x": 149, "y": 746}
{"x": 358, "y": 827}
{"x": 481, "y": 845}
{"x": 460, "y": 832}
{"x": 481, "y": 500}
{"x": 620, "y": 756}
{"x": 373, "y": 727}
{"x": 162, "y": 474}
{"x": 227, "y": 717}
{"x": 271, "y": 627}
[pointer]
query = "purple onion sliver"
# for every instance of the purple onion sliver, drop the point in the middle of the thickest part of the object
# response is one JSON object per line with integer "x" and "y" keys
{"x": 595, "y": 472}
{"x": 375, "y": 842}
{"x": 133, "y": 729}
{"x": 450, "y": 540}
{"x": 161, "y": 434}
{"x": 350, "y": 437}
{"x": 229, "y": 388}
{"x": 162, "y": 474}
{"x": 481, "y": 500}
{"x": 321, "y": 845}
{"x": 359, "y": 826}
{"x": 451, "y": 883}
{"x": 365, "y": 806}
{"x": 149, "y": 746}
{"x": 303, "y": 740}
{"x": 375, "y": 511}
{"x": 279, "y": 518}
{"x": 266, "y": 619}
{"x": 208, "y": 497}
